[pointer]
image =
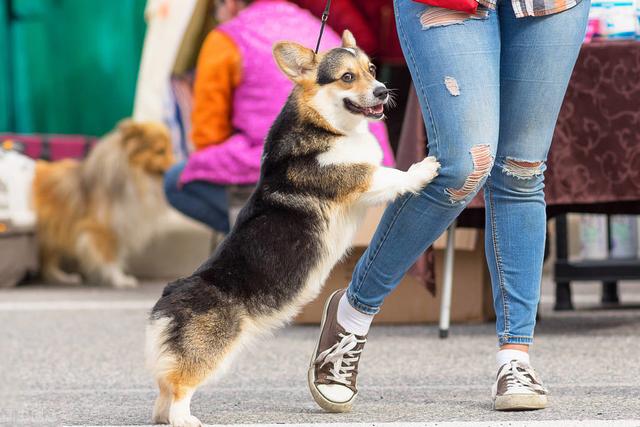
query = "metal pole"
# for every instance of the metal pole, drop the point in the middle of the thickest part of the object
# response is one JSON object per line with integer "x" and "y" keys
{"x": 563, "y": 288}
{"x": 447, "y": 282}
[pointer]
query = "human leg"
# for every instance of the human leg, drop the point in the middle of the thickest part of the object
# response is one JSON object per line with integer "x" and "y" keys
{"x": 456, "y": 73}
{"x": 203, "y": 201}
{"x": 537, "y": 58}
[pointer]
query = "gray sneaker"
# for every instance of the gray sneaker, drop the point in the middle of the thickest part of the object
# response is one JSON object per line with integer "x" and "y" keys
{"x": 334, "y": 364}
{"x": 518, "y": 388}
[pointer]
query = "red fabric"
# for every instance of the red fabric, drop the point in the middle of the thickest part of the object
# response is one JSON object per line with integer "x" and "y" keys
{"x": 380, "y": 17}
{"x": 469, "y": 6}
{"x": 344, "y": 14}
{"x": 371, "y": 22}
{"x": 52, "y": 147}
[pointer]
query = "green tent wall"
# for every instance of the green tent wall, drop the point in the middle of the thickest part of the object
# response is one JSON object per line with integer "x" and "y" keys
{"x": 72, "y": 64}
{"x": 5, "y": 95}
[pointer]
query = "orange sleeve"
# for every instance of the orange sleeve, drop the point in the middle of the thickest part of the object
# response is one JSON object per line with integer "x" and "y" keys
{"x": 218, "y": 73}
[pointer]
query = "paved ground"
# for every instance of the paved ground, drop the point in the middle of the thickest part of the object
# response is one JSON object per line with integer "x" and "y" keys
{"x": 74, "y": 357}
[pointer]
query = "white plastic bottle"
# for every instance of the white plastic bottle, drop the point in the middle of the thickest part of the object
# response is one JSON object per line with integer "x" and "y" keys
{"x": 16, "y": 181}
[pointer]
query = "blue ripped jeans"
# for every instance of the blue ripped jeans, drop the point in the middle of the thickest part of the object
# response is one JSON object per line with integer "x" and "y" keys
{"x": 490, "y": 92}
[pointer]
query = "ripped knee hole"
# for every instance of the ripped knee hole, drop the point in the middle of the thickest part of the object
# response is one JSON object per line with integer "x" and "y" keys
{"x": 434, "y": 16}
{"x": 482, "y": 164}
{"x": 522, "y": 169}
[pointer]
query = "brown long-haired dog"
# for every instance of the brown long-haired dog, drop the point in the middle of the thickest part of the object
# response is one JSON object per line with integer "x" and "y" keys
{"x": 92, "y": 214}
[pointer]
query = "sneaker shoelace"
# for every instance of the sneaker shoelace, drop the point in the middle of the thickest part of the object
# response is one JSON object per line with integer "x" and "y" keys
{"x": 520, "y": 376}
{"x": 343, "y": 357}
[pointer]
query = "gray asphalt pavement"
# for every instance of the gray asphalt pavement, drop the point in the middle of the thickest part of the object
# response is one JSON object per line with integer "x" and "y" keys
{"x": 73, "y": 356}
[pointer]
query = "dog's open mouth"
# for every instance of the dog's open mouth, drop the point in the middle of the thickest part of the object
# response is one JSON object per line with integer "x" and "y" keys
{"x": 374, "y": 112}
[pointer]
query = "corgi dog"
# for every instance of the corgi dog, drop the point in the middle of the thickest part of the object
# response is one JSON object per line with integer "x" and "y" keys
{"x": 92, "y": 214}
{"x": 320, "y": 172}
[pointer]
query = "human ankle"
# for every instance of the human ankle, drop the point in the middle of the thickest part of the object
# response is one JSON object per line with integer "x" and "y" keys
{"x": 506, "y": 355}
{"x": 352, "y": 320}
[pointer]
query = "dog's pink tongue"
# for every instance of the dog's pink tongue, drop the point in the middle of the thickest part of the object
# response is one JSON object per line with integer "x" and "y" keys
{"x": 376, "y": 109}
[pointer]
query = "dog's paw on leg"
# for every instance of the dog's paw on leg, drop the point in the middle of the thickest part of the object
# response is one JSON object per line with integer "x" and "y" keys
{"x": 423, "y": 172}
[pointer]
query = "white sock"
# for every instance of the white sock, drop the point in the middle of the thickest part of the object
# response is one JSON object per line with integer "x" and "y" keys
{"x": 352, "y": 320}
{"x": 505, "y": 356}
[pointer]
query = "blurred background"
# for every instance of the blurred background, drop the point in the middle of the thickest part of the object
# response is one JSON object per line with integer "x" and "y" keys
{"x": 131, "y": 133}
{"x": 74, "y": 69}
{"x": 70, "y": 66}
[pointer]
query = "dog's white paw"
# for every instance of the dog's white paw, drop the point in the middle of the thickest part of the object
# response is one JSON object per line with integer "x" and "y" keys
{"x": 186, "y": 421}
{"x": 123, "y": 281}
{"x": 423, "y": 172}
{"x": 59, "y": 277}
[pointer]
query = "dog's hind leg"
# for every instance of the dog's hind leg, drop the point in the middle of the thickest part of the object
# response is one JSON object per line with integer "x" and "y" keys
{"x": 51, "y": 272}
{"x": 190, "y": 372}
{"x": 163, "y": 403}
{"x": 180, "y": 411}
{"x": 98, "y": 254}
{"x": 207, "y": 343}
{"x": 177, "y": 380}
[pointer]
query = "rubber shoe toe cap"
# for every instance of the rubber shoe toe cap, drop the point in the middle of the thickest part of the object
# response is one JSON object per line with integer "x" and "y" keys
{"x": 335, "y": 392}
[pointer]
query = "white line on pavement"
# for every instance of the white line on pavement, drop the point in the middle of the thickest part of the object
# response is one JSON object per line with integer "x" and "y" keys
{"x": 15, "y": 391}
{"x": 552, "y": 423}
{"x": 148, "y": 303}
{"x": 76, "y": 305}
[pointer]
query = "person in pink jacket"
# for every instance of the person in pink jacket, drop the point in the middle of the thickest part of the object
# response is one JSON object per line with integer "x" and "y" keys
{"x": 239, "y": 91}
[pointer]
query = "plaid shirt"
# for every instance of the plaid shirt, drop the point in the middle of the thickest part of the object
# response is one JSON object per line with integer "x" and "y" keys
{"x": 524, "y": 8}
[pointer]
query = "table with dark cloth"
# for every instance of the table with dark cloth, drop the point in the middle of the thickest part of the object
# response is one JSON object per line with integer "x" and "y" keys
{"x": 594, "y": 162}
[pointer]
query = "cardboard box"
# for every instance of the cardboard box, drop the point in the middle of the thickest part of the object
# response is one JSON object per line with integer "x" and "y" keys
{"x": 410, "y": 302}
{"x": 18, "y": 254}
{"x": 465, "y": 238}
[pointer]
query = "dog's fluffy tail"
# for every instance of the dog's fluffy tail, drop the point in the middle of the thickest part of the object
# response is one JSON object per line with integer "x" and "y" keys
{"x": 158, "y": 357}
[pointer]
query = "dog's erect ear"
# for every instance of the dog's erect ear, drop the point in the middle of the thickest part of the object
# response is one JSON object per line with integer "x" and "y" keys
{"x": 128, "y": 129}
{"x": 295, "y": 60}
{"x": 348, "y": 40}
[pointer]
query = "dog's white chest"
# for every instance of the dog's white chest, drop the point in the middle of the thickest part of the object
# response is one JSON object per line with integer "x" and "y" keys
{"x": 359, "y": 147}
{"x": 334, "y": 243}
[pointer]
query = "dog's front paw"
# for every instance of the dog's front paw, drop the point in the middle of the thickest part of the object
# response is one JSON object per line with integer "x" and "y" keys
{"x": 185, "y": 421}
{"x": 423, "y": 172}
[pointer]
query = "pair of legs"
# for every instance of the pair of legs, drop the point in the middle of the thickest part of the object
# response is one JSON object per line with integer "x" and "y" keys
{"x": 203, "y": 201}
{"x": 490, "y": 92}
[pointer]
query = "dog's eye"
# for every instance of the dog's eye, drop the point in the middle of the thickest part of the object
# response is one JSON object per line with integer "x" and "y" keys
{"x": 348, "y": 77}
{"x": 372, "y": 70}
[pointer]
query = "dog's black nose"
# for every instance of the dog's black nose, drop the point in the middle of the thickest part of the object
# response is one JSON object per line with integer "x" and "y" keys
{"x": 381, "y": 92}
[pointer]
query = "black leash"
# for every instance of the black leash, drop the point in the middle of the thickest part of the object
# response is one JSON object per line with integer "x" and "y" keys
{"x": 325, "y": 16}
